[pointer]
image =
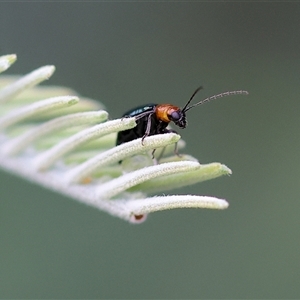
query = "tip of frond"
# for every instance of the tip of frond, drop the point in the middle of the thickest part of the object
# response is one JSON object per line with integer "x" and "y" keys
{"x": 66, "y": 143}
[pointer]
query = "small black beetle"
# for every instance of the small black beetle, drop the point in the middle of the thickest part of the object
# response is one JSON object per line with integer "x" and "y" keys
{"x": 154, "y": 118}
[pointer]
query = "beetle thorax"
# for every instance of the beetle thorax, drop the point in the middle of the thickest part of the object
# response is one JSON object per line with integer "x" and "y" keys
{"x": 168, "y": 113}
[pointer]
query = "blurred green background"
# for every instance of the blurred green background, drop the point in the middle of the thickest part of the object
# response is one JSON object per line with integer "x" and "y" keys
{"x": 127, "y": 54}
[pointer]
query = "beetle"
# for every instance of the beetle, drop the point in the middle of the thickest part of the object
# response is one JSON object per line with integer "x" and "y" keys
{"x": 153, "y": 118}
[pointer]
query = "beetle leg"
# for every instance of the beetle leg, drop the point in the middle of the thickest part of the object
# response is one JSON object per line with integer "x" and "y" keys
{"x": 124, "y": 117}
{"x": 176, "y": 144}
{"x": 176, "y": 150}
{"x": 148, "y": 128}
{"x": 146, "y": 113}
{"x": 153, "y": 151}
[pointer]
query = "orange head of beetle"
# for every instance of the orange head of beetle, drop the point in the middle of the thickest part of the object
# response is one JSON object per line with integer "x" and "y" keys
{"x": 168, "y": 113}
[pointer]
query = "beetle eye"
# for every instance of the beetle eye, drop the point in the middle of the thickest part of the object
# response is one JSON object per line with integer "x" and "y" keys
{"x": 175, "y": 116}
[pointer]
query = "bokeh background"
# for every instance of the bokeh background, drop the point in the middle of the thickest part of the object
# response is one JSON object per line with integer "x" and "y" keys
{"x": 127, "y": 54}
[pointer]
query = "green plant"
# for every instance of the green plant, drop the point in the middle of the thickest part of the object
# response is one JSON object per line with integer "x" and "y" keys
{"x": 66, "y": 143}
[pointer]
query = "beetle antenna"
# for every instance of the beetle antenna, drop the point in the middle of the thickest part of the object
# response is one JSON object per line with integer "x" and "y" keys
{"x": 197, "y": 90}
{"x": 224, "y": 94}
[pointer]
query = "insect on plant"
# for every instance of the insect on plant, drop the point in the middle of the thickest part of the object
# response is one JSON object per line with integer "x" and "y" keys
{"x": 153, "y": 119}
